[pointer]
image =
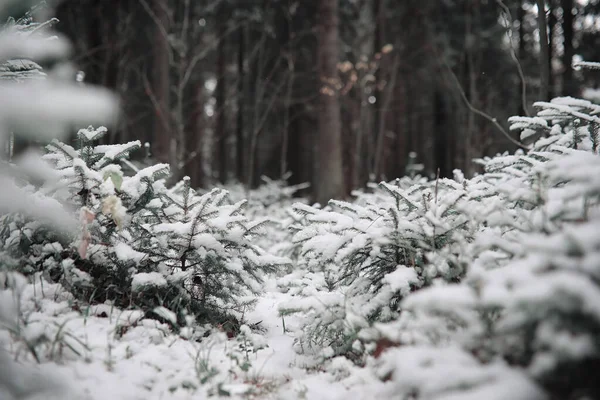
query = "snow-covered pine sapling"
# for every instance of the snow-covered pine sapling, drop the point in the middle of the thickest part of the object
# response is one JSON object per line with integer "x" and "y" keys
{"x": 546, "y": 288}
{"x": 273, "y": 198}
{"x": 422, "y": 372}
{"x": 87, "y": 166}
{"x": 142, "y": 245}
{"x": 207, "y": 247}
{"x": 531, "y": 294}
{"x": 114, "y": 211}
{"x": 40, "y": 110}
{"x": 370, "y": 256}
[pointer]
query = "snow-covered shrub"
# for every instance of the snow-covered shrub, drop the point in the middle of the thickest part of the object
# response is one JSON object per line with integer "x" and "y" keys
{"x": 209, "y": 248}
{"x": 39, "y": 107}
{"x": 548, "y": 291}
{"x": 272, "y": 200}
{"x": 93, "y": 266}
{"x": 423, "y": 372}
{"x": 143, "y": 245}
{"x": 373, "y": 192}
{"x": 363, "y": 259}
{"x": 270, "y": 194}
{"x": 531, "y": 293}
{"x": 232, "y": 373}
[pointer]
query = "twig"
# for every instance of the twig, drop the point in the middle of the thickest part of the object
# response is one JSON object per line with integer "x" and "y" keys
{"x": 474, "y": 110}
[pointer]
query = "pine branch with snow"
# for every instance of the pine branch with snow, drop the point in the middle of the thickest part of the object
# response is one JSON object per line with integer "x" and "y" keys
{"x": 530, "y": 292}
{"x": 205, "y": 243}
{"x": 143, "y": 245}
{"x": 34, "y": 224}
{"x": 368, "y": 257}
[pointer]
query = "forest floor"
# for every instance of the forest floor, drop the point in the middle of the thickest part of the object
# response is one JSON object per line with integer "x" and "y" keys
{"x": 122, "y": 356}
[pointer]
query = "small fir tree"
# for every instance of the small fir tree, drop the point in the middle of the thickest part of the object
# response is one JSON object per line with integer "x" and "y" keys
{"x": 143, "y": 245}
{"x": 23, "y": 243}
{"x": 365, "y": 259}
{"x": 531, "y": 292}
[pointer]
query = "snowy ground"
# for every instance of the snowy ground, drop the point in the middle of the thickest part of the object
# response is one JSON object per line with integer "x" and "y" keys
{"x": 125, "y": 357}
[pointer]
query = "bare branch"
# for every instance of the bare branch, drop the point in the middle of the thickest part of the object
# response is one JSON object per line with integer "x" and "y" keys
{"x": 474, "y": 110}
{"x": 186, "y": 20}
{"x": 198, "y": 57}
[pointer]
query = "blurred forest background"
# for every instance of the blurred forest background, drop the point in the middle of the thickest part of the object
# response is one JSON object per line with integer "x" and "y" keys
{"x": 336, "y": 93}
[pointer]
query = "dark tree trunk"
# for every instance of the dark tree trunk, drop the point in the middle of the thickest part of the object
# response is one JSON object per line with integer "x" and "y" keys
{"x": 377, "y": 109}
{"x": 161, "y": 82}
{"x": 399, "y": 112}
{"x": 195, "y": 136}
{"x": 240, "y": 139}
{"x": 330, "y": 178}
{"x": 544, "y": 51}
{"x": 221, "y": 129}
{"x": 442, "y": 144}
{"x": 569, "y": 84}
{"x": 551, "y": 26}
{"x": 522, "y": 52}
{"x": 301, "y": 154}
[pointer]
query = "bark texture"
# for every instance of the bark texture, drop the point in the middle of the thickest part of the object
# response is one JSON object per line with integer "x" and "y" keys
{"x": 330, "y": 178}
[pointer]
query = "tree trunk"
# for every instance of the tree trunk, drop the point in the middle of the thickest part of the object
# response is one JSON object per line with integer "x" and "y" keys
{"x": 551, "y": 26}
{"x": 522, "y": 54}
{"x": 544, "y": 51}
{"x": 329, "y": 174}
{"x": 569, "y": 84}
{"x": 377, "y": 129}
{"x": 195, "y": 136}
{"x": 240, "y": 143}
{"x": 287, "y": 34}
{"x": 399, "y": 113}
{"x": 442, "y": 144}
{"x": 385, "y": 97}
{"x": 221, "y": 129}
{"x": 161, "y": 82}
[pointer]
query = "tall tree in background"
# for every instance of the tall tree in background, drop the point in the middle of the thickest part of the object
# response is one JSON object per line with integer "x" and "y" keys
{"x": 522, "y": 53}
{"x": 330, "y": 178}
{"x": 240, "y": 150}
{"x": 569, "y": 84}
{"x": 232, "y": 90}
{"x": 552, "y": 21}
{"x": 161, "y": 82}
{"x": 221, "y": 129}
{"x": 544, "y": 51}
